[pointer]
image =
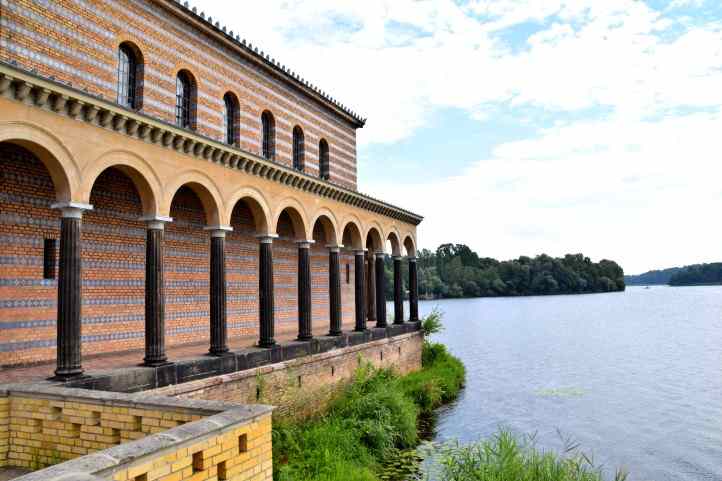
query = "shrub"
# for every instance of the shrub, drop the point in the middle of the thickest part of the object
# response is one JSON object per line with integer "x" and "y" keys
{"x": 431, "y": 324}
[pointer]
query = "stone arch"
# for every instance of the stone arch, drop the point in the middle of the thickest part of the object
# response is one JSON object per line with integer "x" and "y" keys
{"x": 257, "y": 204}
{"x": 204, "y": 188}
{"x": 374, "y": 238}
{"x": 58, "y": 160}
{"x": 298, "y": 216}
{"x": 410, "y": 245}
{"x": 326, "y": 221}
{"x": 145, "y": 179}
{"x": 351, "y": 234}
{"x": 394, "y": 240}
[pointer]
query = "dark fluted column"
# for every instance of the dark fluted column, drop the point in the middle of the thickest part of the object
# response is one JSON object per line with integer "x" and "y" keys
{"x": 69, "y": 292}
{"x": 334, "y": 290}
{"x": 219, "y": 326}
{"x": 305, "y": 331}
{"x": 413, "y": 291}
{"x": 380, "y": 290}
{"x": 154, "y": 295}
{"x": 398, "y": 292}
{"x": 265, "y": 292}
{"x": 360, "y": 290}
{"x": 370, "y": 288}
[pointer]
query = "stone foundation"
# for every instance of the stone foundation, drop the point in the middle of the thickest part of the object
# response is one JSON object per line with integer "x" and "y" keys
{"x": 301, "y": 387}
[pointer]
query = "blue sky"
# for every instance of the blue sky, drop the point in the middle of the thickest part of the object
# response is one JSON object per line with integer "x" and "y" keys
{"x": 525, "y": 126}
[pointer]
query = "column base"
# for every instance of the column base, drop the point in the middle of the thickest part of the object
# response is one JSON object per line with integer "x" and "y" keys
{"x": 222, "y": 353}
{"x": 267, "y": 344}
{"x": 398, "y": 321}
{"x": 155, "y": 363}
{"x": 335, "y": 333}
{"x": 304, "y": 338}
{"x": 67, "y": 374}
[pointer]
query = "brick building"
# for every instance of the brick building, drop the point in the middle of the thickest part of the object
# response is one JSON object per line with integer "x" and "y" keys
{"x": 165, "y": 183}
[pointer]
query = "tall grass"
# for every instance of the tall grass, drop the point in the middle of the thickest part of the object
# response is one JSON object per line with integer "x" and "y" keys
{"x": 503, "y": 458}
{"x": 374, "y": 417}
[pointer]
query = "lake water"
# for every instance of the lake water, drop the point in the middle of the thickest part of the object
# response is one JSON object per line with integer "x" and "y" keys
{"x": 634, "y": 377}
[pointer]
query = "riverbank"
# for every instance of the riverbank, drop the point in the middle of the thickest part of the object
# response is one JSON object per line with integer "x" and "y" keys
{"x": 369, "y": 424}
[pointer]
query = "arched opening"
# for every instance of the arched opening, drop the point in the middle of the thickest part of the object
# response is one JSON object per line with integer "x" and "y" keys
{"x": 268, "y": 143}
{"x": 393, "y": 245}
{"x": 242, "y": 254}
{"x": 373, "y": 244}
{"x": 290, "y": 228}
{"x": 352, "y": 241}
{"x": 231, "y": 118}
{"x": 324, "y": 164}
{"x": 187, "y": 267}
{"x": 185, "y": 105}
{"x": 298, "y": 149}
{"x": 130, "y": 76}
{"x": 323, "y": 235}
{"x": 113, "y": 253}
{"x": 409, "y": 246}
{"x": 30, "y": 239}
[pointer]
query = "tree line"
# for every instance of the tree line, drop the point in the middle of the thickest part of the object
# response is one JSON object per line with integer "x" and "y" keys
{"x": 698, "y": 274}
{"x": 454, "y": 270}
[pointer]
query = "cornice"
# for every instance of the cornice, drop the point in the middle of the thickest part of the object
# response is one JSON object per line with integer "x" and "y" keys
{"x": 52, "y": 96}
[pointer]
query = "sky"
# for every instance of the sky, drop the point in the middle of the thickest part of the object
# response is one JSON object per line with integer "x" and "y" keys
{"x": 521, "y": 127}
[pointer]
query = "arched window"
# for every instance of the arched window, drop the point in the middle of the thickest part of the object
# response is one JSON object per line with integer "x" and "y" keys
{"x": 230, "y": 118}
{"x": 130, "y": 70}
{"x": 269, "y": 133}
{"x": 298, "y": 148}
{"x": 185, "y": 100}
{"x": 323, "y": 162}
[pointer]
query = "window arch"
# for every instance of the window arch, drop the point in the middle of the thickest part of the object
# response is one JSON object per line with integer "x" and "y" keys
{"x": 324, "y": 166}
{"x": 269, "y": 135}
{"x": 130, "y": 75}
{"x": 185, "y": 100}
{"x": 298, "y": 150}
{"x": 230, "y": 118}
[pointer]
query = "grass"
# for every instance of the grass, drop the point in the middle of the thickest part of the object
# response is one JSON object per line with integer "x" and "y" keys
{"x": 503, "y": 458}
{"x": 371, "y": 420}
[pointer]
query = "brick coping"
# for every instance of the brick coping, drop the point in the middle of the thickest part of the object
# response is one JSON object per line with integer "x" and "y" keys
{"x": 95, "y": 466}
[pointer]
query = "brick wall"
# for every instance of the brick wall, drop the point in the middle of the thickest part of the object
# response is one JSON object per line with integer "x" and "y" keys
{"x": 45, "y": 426}
{"x": 187, "y": 271}
{"x": 27, "y": 301}
{"x": 113, "y": 254}
{"x": 302, "y": 386}
{"x": 77, "y": 41}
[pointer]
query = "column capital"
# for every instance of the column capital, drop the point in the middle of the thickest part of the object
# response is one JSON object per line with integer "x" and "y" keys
{"x": 305, "y": 244}
{"x": 155, "y": 221}
{"x": 360, "y": 252}
{"x": 334, "y": 247}
{"x": 380, "y": 254}
{"x": 266, "y": 238}
{"x": 411, "y": 258}
{"x": 71, "y": 209}
{"x": 218, "y": 230}
{"x": 397, "y": 258}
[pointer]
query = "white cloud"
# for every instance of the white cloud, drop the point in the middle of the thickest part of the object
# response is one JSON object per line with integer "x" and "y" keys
{"x": 634, "y": 181}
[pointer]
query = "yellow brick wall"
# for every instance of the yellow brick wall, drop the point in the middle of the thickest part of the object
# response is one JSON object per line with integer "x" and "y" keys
{"x": 4, "y": 429}
{"x": 218, "y": 457}
{"x": 43, "y": 432}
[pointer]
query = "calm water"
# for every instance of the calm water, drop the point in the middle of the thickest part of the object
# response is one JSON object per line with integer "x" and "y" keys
{"x": 635, "y": 377}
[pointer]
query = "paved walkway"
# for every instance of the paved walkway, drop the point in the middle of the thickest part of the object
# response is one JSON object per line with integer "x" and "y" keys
{"x": 125, "y": 359}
